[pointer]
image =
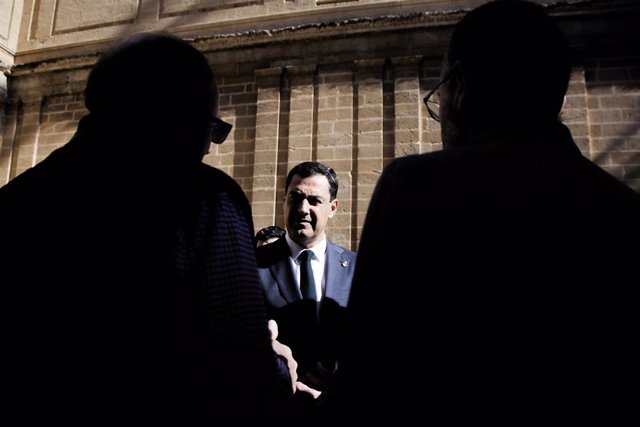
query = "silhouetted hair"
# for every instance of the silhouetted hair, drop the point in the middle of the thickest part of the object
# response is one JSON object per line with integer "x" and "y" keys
{"x": 268, "y": 232}
{"x": 307, "y": 169}
{"x": 515, "y": 59}
{"x": 152, "y": 74}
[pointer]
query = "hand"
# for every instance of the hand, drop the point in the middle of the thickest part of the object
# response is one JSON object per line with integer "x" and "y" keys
{"x": 284, "y": 352}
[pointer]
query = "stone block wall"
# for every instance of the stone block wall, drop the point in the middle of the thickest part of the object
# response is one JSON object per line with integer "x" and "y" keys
{"x": 347, "y": 93}
{"x": 612, "y": 85}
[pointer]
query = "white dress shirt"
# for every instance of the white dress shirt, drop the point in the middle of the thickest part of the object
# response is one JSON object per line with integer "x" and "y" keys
{"x": 317, "y": 263}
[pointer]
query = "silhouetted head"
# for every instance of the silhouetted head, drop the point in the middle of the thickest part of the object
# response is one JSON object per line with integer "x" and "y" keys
{"x": 508, "y": 66}
{"x": 310, "y": 200}
{"x": 268, "y": 234}
{"x": 157, "y": 89}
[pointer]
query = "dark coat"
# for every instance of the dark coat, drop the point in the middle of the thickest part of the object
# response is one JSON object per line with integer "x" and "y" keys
{"x": 128, "y": 294}
{"x": 496, "y": 284}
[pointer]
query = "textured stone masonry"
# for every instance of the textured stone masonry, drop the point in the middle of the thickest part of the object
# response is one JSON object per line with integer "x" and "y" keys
{"x": 340, "y": 82}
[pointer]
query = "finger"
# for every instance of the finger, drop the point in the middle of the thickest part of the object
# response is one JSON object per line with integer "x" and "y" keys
{"x": 306, "y": 389}
{"x": 286, "y": 353}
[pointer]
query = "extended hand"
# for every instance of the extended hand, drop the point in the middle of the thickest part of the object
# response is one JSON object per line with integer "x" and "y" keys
{"x": 285, "y": 353}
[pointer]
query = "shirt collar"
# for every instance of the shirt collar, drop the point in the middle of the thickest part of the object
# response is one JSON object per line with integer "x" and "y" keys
{"x": 318, "y": 250}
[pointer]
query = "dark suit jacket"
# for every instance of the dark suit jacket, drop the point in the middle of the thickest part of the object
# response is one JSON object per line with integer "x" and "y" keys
{"x": 496, "y": 284}
{"x": 128, "y": 295}
{"x": 284, "y": 303}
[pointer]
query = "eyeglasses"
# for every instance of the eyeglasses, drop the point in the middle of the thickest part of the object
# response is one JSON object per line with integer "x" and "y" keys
{"x": 219, "y": 130}
{"x": 432, "y": 99}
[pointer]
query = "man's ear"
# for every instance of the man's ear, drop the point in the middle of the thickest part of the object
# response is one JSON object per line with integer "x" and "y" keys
{"x": 334, "y": 208}
{"x": 458, "y": 95}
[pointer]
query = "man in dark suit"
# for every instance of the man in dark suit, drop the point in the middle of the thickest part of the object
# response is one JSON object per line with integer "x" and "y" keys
{"x": 130, "y": 291}
{"x": 496, "y": 280}
{"x": 311, "y": 326}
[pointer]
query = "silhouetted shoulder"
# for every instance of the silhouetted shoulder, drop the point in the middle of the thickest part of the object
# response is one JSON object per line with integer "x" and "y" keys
{"x": 215, "y": 181}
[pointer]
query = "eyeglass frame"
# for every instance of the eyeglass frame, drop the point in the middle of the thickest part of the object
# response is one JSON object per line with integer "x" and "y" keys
{"x": 435, "y": 116}
{"x": 220, "y": 130}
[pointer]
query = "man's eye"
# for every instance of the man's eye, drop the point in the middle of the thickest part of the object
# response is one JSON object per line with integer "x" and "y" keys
{"x": 295, "y": 198}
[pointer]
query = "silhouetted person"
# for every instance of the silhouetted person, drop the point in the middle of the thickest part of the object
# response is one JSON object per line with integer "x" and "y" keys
{"x": 129, "y": 279}
{"x": 268, "y": 234}
{"x": 496, "y": 280}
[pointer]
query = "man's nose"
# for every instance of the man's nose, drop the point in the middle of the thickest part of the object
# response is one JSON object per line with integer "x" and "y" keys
{"x": 304, "y": 206}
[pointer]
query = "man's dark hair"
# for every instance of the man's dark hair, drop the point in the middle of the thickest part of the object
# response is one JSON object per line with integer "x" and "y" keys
{"x": 307, "y": 169}
{"x": 515, "y": 60}
{"x": 268, "y": 232}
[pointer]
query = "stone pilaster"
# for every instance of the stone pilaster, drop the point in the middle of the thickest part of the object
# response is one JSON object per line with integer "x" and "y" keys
{"x": 27, "y": 131}
{"x": 10, "y": 111}
{"x": 335, "y": 123}
{"x": 266, "y": 146}
{"x": 369, "y": 135}
{"x": 408, "y": 105}
{"x": 301, "y": 115}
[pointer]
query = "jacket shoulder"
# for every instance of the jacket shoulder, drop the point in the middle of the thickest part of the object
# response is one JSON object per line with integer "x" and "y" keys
{"x": 347, "y": 253}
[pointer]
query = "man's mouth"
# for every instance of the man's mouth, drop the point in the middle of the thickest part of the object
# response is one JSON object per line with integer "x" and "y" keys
{"x": 302, "y": 223}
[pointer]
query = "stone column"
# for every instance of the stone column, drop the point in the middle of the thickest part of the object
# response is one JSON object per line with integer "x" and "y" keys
{"x": 430, "y": 77}
{"x": 301, "y": 116}
{"x": 335, "y": 124}
{"x": 10, "y": 111}
{"x": 266, "y": 146}
{"x": 369, "y": 136}
{"x": 408, "y": 105}
{"x": 25, "y": 138}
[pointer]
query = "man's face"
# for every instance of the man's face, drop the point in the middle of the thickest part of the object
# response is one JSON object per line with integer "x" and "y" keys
{"x": 307, "y": 208}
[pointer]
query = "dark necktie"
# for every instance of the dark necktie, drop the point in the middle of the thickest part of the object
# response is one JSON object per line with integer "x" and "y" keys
{"x": 307, "y": 283}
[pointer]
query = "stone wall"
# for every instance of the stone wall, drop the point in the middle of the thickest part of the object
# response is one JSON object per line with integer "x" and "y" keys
{"x": 340, "y": 82}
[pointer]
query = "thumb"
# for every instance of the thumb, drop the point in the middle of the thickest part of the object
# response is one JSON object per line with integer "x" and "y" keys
{"x": 273, "y": 328}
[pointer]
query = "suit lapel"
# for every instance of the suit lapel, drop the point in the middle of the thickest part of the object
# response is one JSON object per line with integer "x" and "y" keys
{"x": 334, "y": 273}
{"x": 283, "y": 274}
